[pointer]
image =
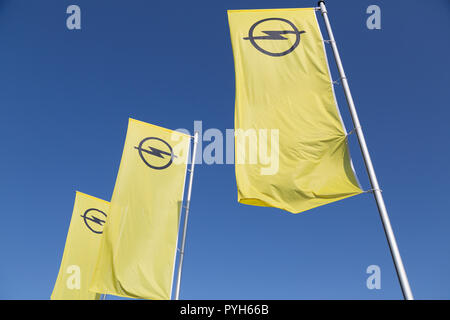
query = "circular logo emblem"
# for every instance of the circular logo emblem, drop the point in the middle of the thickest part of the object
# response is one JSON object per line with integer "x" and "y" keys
{"x": 94, "y": 220}
{"x": 280, "y": 43}
{"x": 155, "y": 153}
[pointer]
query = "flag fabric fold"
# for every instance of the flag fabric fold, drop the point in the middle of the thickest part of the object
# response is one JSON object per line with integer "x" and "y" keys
{"x": 82, "y": 245}
{"x": 137, "y": 253}
{"x": 285, "y": 103}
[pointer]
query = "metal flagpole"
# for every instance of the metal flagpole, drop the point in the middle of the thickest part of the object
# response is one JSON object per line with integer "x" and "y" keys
{"x": 186, "y": 216}
{"x": 401, "y": 273}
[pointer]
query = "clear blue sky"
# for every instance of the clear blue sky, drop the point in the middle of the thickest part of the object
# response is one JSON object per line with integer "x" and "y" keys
{"x": 65, "y": 97}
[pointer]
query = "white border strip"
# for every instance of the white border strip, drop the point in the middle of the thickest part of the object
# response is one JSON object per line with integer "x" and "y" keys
{"x": 179, "y": 217}
{"x": 336, "y": 103}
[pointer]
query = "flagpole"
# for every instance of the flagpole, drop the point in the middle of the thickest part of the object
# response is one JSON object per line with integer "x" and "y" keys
{"x": 186, "y": 216}
{"x": 401, "y": 273}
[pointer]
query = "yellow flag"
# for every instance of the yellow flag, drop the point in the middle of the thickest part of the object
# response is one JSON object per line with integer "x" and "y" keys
{"x": 138, "y": 249}
{"x": 291, "y": 146}
{"x": 82, "y": 245}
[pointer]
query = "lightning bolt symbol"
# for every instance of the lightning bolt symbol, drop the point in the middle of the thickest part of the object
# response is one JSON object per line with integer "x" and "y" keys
{"x": 94, "y": 220}
{"x": 275, "y": 35}
{"x": 155, "y": 152}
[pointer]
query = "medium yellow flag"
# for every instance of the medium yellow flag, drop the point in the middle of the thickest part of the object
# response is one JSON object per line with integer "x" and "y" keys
{"x": 82, "y": 245}
{"x": 291, "y": 146}
{"x": 138, "y": 249}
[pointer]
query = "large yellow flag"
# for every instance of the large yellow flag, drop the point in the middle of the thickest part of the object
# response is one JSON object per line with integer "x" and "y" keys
{"x": 82, "y": 244}
{"x": 138, "y": 249}
{"x": 291, "y": 147}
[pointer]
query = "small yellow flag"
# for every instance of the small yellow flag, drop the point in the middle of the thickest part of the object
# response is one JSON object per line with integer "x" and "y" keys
{"x": 291, "y": 146}
{"x": 138, "y": 249}
{"x": 80, "y": 254}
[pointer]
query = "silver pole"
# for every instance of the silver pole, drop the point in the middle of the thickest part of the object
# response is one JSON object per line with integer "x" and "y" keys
{"x": 186, "y": 216}
{"x": 401, "y": 273}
